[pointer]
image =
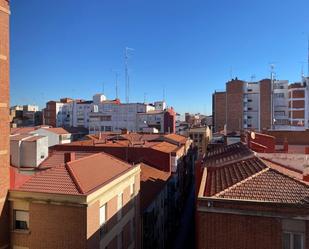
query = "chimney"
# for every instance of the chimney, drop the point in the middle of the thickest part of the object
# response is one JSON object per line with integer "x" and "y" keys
{"x": 286, "y": 145}
{"x": 69, "y": 157}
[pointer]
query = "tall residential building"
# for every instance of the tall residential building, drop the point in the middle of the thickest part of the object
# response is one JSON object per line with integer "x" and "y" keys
{"x": 248, "y": 105}
{"x": 4, "y": 120}
{"x": 101, "y": 114}
{"x": 299, "y": 104}
{"x": 262, "y": 105}
{"x": 218, "y": 111}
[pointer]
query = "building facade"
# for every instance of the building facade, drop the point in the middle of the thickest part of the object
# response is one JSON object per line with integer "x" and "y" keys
{"x": 4, "y": 119}
{"x": 243, "y": 202}
{"x": 55, "y": 210}
{"x": 102, "y": 115}
{"x": 262, "y": 105}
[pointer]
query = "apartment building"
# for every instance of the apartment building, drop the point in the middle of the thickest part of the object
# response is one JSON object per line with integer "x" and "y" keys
{"x": 262, "y": 105}
{"x": 103, "y": 115}
{"x": 245, "y": 202}
{"x": 166, "y": 171}
{"x": 90, "y": 202}
{"x": 200, "y": 137}
{"x": 218, "y": 111}
{"x": 4, "y": 120}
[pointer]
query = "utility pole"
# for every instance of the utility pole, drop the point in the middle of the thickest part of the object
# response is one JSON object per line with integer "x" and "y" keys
{"x": 127, "y": 76}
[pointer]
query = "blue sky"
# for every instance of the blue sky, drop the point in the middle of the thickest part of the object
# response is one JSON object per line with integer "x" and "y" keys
{"x": 69, "y": 48}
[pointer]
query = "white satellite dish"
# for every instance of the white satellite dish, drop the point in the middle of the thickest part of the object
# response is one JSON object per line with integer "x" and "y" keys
{"x": 253, "y": 135}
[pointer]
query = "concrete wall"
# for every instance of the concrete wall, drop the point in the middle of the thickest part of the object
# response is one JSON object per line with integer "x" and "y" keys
{"x": 53, "y": 138}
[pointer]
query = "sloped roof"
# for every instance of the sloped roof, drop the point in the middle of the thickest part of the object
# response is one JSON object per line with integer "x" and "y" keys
{"x": 57, "y": 130}
{"x": 250, "y": 178}
{"x": 220, "y": 178}
{"x": 79, "y": 177}
{"x": 269, "y": 185}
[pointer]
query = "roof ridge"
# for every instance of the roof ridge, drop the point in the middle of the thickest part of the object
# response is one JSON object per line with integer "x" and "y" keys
{"x": 74, "y": 178}
{"x": 243, "y": 181}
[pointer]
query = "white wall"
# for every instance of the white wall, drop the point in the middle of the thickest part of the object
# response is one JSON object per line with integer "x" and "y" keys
{"x": 53, "y": 138}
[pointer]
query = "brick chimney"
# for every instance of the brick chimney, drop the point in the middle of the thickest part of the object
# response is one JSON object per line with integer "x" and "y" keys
{"x": 69, "y": 157}
{"x": 286, "y": 145}
{"x": 306, "y": 173}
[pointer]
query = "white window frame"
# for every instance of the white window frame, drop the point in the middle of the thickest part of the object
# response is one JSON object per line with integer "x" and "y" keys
{"x": 23, "y": 216}
{"x": 291, "y": 234}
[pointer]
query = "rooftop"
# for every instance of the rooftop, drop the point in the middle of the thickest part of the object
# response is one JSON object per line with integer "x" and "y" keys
{"x": 78, "y": 177}
{"x": 247, "y": 177}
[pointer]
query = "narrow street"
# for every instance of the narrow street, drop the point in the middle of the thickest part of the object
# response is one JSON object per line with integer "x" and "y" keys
{"x": 185, "y": 234}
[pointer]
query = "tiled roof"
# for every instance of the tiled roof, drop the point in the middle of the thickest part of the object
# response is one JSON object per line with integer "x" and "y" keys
{"x": 176, "y": 138}
{"x": 55, "y": 180}
{"x": 79, "y": 177}
{"x": 58, "y": 130}
{"x": 251, "y": 178}
{"x": 227, "y": 154}
{"x": 269, "y": 185}
{"x": 56, "y": 158}
{"x": 22, "y": 130}
{"x": 165, "y": 147}
{"x": 220, "y": 178}
{"x": 93, "y": 171}
{"x": 152, "y": 183}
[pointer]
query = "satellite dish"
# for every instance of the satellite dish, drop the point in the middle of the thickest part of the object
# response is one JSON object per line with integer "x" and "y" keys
{"x": 253, "y": 135}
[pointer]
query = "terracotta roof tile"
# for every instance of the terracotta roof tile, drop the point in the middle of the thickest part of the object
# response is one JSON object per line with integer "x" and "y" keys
{"x": 81, "y": 176}
{"x": 220, "y": 178}
{"x": 55, "y": 180}
{"x": 269, "y": 185}
{"x": 58, "y": 130}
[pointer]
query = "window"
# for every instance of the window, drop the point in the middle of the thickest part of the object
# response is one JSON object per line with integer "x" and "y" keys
{"x": 249, "y": 100}
{"x": 293, "y": 240}
{"x": 21, "y": 220}
{"x": 132, "y": 186}
{"x": 119, "y": 205}
{"x": 102, "y": 220}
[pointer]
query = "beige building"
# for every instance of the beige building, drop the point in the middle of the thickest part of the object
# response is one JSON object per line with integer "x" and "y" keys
{"x": 90, "y": 202}
{"x": 200, "y": 137}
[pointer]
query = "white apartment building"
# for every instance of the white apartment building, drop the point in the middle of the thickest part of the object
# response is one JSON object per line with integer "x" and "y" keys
{"x": 101, "y": 114}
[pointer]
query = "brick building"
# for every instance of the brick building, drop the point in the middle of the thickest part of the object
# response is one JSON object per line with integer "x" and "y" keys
{"x": 244, "y": 105}
{"x": 86, "y": 202}
{"x": 245, "y": 202}
{"x": 218, "y": 111}
{"x": 166, "y": 174}
{"x": 4, "y": 119}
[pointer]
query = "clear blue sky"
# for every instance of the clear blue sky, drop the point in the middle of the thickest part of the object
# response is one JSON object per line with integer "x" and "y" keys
{"x": 68, "y": 47}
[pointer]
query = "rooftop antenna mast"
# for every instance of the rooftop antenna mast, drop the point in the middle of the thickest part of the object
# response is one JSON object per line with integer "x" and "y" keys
{"x": 116, "y": 82}
{"x": 145, "y": 97}
{"x": 127, "y": 76}
{"x": 163, "y": 93}
{"x": 103, "y": 88}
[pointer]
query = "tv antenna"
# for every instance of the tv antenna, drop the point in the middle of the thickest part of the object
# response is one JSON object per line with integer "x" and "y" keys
{"x": 116, "y": 82}
{"x": 127, "y": 76}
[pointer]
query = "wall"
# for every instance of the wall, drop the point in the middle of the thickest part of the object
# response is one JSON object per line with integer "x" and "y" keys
{"x": 47, "y": 222}
{"x": 234, "y": 105}
{"x": 265, "y": 104}
{"x": 222, "y": 231}
{"x": 53, "y": 138}
{"x": 293, "y": 137}
{"x": 219, "y": 110}
{"x": 4, "y": 119}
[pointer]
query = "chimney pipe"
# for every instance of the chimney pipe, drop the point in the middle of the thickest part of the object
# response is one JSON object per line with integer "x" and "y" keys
{"x": 69, "y": 157}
